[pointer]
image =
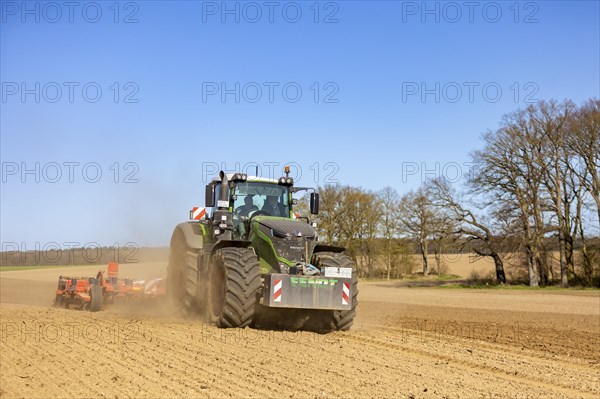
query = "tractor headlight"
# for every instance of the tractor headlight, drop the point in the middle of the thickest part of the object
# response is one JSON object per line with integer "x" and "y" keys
{"x": 285, "y": 181}
{"x": 239, "y": 177}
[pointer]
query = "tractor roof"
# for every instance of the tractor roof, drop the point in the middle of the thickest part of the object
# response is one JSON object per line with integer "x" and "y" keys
{"x": 250, "y": 179}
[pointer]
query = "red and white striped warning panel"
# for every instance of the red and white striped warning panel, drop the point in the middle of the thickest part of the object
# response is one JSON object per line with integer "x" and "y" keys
{"x": 345, "y": 293}
{"x": 197, "y": 213}
{"x": 277, "y": 288}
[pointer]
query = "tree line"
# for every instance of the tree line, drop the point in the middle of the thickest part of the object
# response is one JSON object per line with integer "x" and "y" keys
{"x": 533, "y": 192}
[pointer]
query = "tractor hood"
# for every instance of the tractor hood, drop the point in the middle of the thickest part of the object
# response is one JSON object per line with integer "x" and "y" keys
{"x": 282, "y": 241}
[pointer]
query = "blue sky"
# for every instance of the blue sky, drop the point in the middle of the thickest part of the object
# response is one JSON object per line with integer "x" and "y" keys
{"x": 162, "y": 123}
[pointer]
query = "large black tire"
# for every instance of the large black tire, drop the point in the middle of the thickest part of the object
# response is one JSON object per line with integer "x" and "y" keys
{"x": 234, "y": 283}
{"x": 339, "y": 319}
{"x": 182, "y": 275}
{"x": 96, "y": 298}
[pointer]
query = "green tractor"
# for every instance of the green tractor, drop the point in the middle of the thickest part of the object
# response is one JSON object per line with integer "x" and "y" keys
{"x": 249, "y": 260}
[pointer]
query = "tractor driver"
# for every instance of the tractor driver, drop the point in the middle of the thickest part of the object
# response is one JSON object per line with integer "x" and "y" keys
{"x": 273, "y": 207}
{"x": 248, "y": 206}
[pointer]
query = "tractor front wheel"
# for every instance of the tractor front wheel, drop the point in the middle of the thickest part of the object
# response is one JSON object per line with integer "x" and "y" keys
{"x": 234, "y": 282}
{"x": 339, "y": 319}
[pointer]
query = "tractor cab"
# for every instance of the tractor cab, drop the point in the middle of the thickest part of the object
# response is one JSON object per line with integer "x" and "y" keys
{"x": 235, "y": 199}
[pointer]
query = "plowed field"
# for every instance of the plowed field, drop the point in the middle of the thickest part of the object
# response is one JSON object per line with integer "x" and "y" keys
{"x": 406, "y": 342}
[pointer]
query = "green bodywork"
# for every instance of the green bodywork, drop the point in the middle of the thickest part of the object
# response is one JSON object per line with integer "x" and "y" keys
{"x": 263, "y": 245}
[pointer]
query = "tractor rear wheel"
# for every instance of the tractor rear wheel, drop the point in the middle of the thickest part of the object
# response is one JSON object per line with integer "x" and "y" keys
{"x": 339, "y": 319}
{"x": 182, "y": 275}
{"x": 234, "y": 283}
{"x": 95, "y": 298}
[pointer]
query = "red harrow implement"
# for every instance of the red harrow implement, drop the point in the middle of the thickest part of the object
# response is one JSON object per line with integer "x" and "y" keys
{"x": 90, "y": 293}
{"x": 81, "y": 292}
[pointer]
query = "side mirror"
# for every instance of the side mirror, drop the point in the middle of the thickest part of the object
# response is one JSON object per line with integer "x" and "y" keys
{"x": 209, "y": 198}
{"x": 314, "y": 203}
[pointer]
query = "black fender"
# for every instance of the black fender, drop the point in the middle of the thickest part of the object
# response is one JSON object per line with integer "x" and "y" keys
{"x": 230, "y": 244}
{"x": 328, "y": 248}
{"x": 192, "y": 231}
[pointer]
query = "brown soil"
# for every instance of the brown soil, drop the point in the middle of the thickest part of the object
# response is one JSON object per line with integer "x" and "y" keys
{"x": 406, "y": 342}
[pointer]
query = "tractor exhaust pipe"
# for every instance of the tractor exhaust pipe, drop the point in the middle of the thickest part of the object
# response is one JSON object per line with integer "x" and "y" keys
{"x": 222, "y": 218}
{"x": 223, "y": 191}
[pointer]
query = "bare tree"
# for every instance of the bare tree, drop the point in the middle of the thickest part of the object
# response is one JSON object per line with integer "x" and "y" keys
{"x": 372, "y": 212}
{"x": 579, "y": 231}
{"x": 443, "y": 233}
{"x": 506, "y": 170}
{"x": 584, "y": 140}
{"x": 572, "y": 192}
{"x": 548, "y": 120}
{"x": 350, "y": 220}
{"x": 478, "y": 235}
{"x": 330, "y": 213}
{"x": 417, "y": 218}
{"x": 390, "y": 201}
